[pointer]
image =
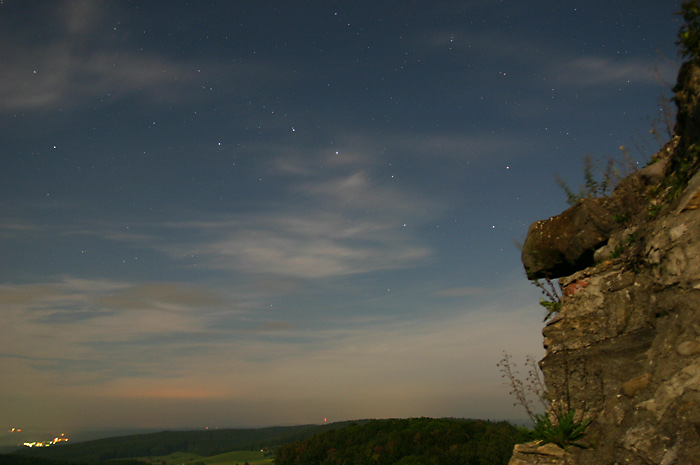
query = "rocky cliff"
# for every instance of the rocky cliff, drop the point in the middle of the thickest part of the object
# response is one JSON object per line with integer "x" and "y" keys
{"x": 624, "y": 348}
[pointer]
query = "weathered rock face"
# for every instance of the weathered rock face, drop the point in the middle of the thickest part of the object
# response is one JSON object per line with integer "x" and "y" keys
{"x": 564, "y": 244}
{"x": 536, "y": 454}
{"x": 624, "y": 350}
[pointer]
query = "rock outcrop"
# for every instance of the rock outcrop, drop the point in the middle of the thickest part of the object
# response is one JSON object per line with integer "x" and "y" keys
{"x": 566, "y": 243}
{"x": 624, "y": 348}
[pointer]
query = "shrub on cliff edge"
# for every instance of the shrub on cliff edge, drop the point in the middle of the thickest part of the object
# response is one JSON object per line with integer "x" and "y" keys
{"x": 689, "y": 33}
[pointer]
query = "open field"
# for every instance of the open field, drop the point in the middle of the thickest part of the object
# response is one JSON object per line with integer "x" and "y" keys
{"x": 176, "y": 458}
{"x": 229, "y": 458}
{"x": 239, "y": 457}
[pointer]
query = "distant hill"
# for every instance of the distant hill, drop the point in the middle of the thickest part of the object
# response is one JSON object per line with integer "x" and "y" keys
{"x": 22, "y": 460}
{"x": 418, "y": 441}
{"x": 204, "y": 443}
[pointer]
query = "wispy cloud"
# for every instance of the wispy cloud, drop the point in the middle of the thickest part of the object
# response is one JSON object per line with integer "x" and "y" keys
{"x": 95, "y": 330}
{"x": 80, "y": 17}
{"x": 348, "y": 223}
{"x": 17, "y": 225}
{"x": 84, "y": 63}
{"x": 337, "y": 215}
{"x": 164, "y": 296}
{"x": 45, "y": 78}
{"x": 462, "y": 291}
{"x": 306, "y": 245}
{"x": 594, "y": 71}
{"x": 343, "y": 221}
{"x": 553, "y": 61}
{"x": 60, "y": 304}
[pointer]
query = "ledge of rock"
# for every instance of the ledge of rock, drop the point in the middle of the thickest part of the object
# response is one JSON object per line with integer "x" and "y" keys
{"x": 566, "y": 243}
{"x": 534, "y": 453}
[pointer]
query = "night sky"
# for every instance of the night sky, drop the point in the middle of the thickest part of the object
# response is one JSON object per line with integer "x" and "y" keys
{"x": 249, "y": 213}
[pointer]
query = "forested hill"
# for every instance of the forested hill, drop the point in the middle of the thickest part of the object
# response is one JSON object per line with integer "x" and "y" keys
{"x": 419, "y": 441}
{"x": 204, "y": 443}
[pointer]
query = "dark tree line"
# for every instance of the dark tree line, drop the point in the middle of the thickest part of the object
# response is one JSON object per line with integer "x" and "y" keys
{"x": 420, "y": 441}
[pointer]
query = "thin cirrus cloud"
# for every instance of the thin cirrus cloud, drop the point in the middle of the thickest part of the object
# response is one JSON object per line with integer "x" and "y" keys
{"x": 356, "y": 192}
{"x": 462, "y": 291}
{"x": 118, "y": 323}
{"x": 349, "y": 224}
{"x": 161, "y": 295}
{"x": 344, "y": 222}
{"x": 45, "y": 78}
{"x": 69, "y": 301}
{"x": 79, "y": 17}
{"x": 584, "y": 71}
{"x": 83, "y": 63}
{"x": 317, "y": 245}
{"x": 593, "y": 71}
{"x": 96, "y": 329}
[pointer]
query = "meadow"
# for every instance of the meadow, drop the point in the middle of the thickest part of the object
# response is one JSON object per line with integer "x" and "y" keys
{"x": 229, "y": 458}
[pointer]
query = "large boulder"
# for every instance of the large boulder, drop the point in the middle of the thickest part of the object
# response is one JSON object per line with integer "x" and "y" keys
{"x": 564, "y": 244}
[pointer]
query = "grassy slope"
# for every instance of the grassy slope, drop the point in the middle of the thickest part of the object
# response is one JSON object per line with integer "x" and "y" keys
{"x": 240, "y": 457}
